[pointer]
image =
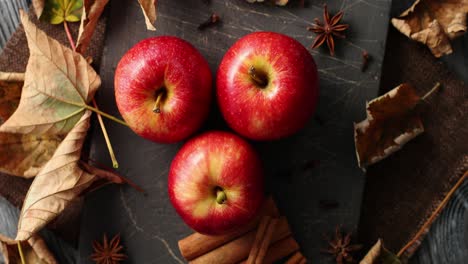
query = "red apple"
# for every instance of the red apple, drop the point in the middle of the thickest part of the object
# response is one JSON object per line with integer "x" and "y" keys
{"x": 267, "y": 86}
{"x": 163, "y": 89}
{"x": 216, "y": 183}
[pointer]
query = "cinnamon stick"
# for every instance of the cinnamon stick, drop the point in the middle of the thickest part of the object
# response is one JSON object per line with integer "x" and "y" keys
{"x": 262, "y": 240}
{"x": 281, "y": 249}
{"x": 238, "y": 249}
{"x": 198, "y": 244}
{"x": 296, "y": 258}
{"x": 259, "y": 236}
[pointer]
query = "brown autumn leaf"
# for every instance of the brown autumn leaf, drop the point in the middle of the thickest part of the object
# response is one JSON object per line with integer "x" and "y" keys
{"x": 60, "y": 181}
{"x": 434, "y": 23}
{"x": 378, "y": 254}
{"x": 91, "y": 12}
{"x": 149, "y": 11}
{"x": 38, "y": 6}
{"x": 24, "y": 155}
{"x": 392, "y": 121}
{"x": 59, "y": 83}
{"x": 21, "y": 154}
{"x": 35, "y": 251}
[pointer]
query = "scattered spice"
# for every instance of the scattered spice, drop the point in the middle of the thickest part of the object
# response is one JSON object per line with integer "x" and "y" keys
{"x": 108, "y": 252}
{"x": 328, "y": 204}
{"x": 212, "y": 20}
{"x": 327, "y": 29}
{"x": 340, "y": 247}
{"x": 365, "y": 60}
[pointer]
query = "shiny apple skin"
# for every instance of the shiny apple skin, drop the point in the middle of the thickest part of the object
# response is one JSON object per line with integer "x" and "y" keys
{"x": 147, "y": 67}
{"x": 286, "y": 104}
{"x": 216, "y": 159}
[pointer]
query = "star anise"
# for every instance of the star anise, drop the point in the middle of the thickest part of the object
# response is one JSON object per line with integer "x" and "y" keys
{"x": 108, "y": 252}
{"x": 328, "y": 29}
{"x": 341, "y": 248}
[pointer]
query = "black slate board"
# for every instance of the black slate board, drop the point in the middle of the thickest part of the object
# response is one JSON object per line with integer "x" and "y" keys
{"x": 149, "y": 225}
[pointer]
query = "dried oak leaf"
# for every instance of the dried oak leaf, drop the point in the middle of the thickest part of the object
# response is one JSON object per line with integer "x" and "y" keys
{"x": 391, "y": 122}
{"x": 57, "y": 87}
{"x": 21, "y": 154}
{"x": 434, "y": 23}
{"x": 91, "y": 12}
{"x": 149, "y": 11}
{"x": 35, "y": 251}
{"x": 378, "y": 254}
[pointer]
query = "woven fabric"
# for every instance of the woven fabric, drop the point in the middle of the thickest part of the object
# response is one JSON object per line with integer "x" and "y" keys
{"x": 403, "y": 190}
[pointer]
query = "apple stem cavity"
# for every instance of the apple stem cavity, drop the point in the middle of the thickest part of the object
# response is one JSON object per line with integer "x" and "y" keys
{"x": 220, "y": 196}
{"x": 157, "y": 105}
{"x": 259, "y": 77}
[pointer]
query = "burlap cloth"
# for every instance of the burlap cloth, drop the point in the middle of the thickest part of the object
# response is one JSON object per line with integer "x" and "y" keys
{"x": 400, "y": 192}
{"x": 403, "y": 190}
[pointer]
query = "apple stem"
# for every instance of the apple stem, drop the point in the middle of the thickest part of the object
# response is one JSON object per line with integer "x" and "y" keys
{"x": 157, "y": 104}
{"x": 260, "y": 79}
{"x": 220, "y": 196}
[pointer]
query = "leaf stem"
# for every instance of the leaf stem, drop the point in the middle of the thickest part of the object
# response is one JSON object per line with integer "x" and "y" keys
{"x": 106, "y": 115}
{"x": 434, "y": 89}
{"x": 115, "y": 164}
{"x": 110, "y": 176}
{"x": 69, "y": 36}
{"x": 20, "y": 250}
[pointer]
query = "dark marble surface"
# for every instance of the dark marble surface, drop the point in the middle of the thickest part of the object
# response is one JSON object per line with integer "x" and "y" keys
{"x": 148, "y": 224}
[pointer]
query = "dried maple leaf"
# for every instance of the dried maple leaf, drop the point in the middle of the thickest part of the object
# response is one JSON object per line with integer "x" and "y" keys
{"x": 91, "y": 12}
{"x": 378, "y": 254}
{"x": 35, "y": 251}
{"x": 149, "y": 11}
{"x": 391, "y": 122}
{"x": 25, "y": 155}
{"x": 38, "y": 6}
{"x": 21, "y": 154}
{"x": 58, "y": 11}
{"x": 58, "y": 85}
{"x": 60, "y": 181}
{"x": 434, "y": 23}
